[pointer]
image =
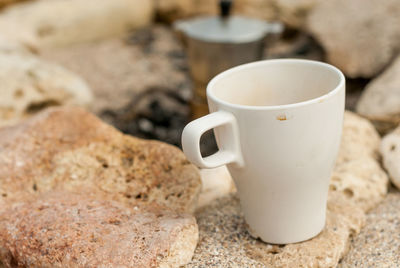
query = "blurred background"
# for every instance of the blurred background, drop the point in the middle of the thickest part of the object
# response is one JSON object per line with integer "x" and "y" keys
{"x": 142, "y": 65}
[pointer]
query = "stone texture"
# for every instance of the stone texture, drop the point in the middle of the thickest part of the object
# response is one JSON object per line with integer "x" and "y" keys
{"x": 357, "y": 185}
{"x": 357, "y": 174}
{"x": 119, "y": 69}
{"x": 377, "y": 245}
{"x": 67, "y": 148}
{"x": 390, "y": 149}
{"x": 216, "y": 183}
{"x": 29, "y": 84}
{"x": 47, "y": 23}
{"x": 360, "y": 37}
{"x": 380, "y": 101}
{"x": 71, "y": 230}
{"x": 359, "y": 139}
{"x": 361, "y": 180}
{"x": 225, "y": 242}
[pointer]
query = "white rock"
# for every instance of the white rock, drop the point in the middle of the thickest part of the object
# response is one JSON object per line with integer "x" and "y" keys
{"x": 380, "y": 101}
{"x": 54, "y": 23}
{"x": 29, "y": 84}
{"x": 359, "y": 36}
{"x": 390, "y": 149}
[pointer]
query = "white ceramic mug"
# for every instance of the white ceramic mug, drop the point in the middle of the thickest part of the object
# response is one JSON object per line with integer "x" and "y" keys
{"x": 278, "y": 126}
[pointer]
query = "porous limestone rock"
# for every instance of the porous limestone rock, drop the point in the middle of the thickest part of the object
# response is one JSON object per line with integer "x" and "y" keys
{"x": 225, "y": 242}
{"x": 62, "y": 229}
{"x": 360, "y": 37}
{"x": 359, "y": 139}
{"x": 48, "y": 23}
{"x": 390, "y": 149}
{"x": 67, "y": 148}
{"x": 361, "y": 180}
{"x": 29, "y": 85}
{"x": 119, "y": 69}
{"x": 380, "y": 100}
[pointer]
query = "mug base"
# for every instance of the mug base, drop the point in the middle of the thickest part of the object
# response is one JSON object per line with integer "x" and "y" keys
{"x": 254, "y": 235}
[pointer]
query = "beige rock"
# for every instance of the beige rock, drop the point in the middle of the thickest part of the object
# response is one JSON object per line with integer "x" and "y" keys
{"x": 29, "y": 84}
{"x": 361, "y": 180}
{"x": 71, "y": 230}
{"x": 216, "y": 183}
{"x": 359, "y": 139}
{"x": 225, "y": 242}
{"x": 70, "y": 149}
{"x": 380, "y": 101}
{"x": 117, "y": 70}
{"x": 390, "y": 149}
{"x": 360, "y": 37}
{"x": 48, "y": 23}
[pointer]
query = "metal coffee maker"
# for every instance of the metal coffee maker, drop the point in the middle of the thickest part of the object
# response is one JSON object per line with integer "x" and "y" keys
{"x": 216, "y": 43}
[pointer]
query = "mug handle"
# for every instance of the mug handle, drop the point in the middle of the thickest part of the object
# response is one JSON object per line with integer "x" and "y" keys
{"x": 229, "y": 151}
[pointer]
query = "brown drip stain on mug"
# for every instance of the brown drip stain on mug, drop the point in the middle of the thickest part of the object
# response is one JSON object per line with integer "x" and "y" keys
{"x": 281, "y": 117}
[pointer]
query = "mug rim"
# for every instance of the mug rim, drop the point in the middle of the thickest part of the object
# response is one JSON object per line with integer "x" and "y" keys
{"x": 318, "y": 99}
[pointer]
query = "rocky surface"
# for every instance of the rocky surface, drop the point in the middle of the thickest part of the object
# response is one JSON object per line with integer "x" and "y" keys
{"x": 216, "y": 183}
{"x": 29, "y": 84}
{"x": 359, "y": 139}
{"x": 358, "y": 184}
{"x": 360, "y": 37}
{"x": 67, "y": 148}
{"x": 377, "y": 245}
{"x": 225, "y": 242}
{"x": 47, "y": 23}
{"x": 71, "y": 230}
{"x": 390, "y": 149}
{"x": 119, "y": 69}
{"x": 380, "y": 101}
{"x": 360, "y": 180}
